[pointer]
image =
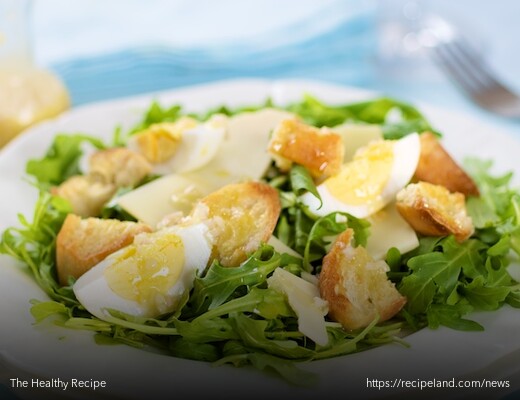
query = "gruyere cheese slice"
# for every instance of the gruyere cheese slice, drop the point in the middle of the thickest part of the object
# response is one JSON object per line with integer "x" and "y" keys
{"x": 281, "y": 247}
{"x": 242, "y": 156}
{"x": 243, "y": 152}
{"x": 304, "y": 298}
{"x": 388, "y": 229}
{"x": 150, "y": 203}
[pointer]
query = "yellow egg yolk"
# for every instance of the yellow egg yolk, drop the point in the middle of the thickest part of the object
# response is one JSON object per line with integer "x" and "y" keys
{"x": 362, "y": 181}
{"x": 160, "y": 141}
{"x": 146, "y": 271}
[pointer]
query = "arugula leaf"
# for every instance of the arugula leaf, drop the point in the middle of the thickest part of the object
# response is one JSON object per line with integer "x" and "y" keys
{"x": 252, "y": 333}
{"x": 438, "y": 273}
{"x": 61, "y": 160}
{"x": 319, "y": 114}
{"x": 375, "y": 111}
{"x": 343, "y": 342}
{"x": 220, "y": 282}
{"x": 419, "y": 288}
{"x": 34, "y": 245}
{"x": 183, "y": 348}
{"x": 496, "y": 213}
{"x": 302, "y": 182}
{"x": 233, "y": 111}
{"x": 263, "y": 361}
{"x": 466, "y": 254}
{"x": 394, "y": 259}
{"x": 451, "y": 316}
{"x": 156, "y": 114}
{"x": 397, "y": 130}
{"x": 206, "y": 330}
{"x": 325, "y": 229}
{"x": 251, "y": 302}
{"x": 41, "y": 310}
{"x": 513, "y": 298}
{"x": 484, "y": 297}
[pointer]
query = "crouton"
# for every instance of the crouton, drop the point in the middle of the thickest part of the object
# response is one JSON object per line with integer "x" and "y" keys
{"x": 119, "y": 166}
{"x": 241, "y": 216}
{"x": 433, "y": 211}
{"x": 82, "y": 243}
{"x": 109, "y": 170}
{"x": 438, "y": 167}
{"x": 86, "y": 196}
{"x": 159, "y": 142}
{"x": 355, "y": 286}
{"x": 321, "y": 151}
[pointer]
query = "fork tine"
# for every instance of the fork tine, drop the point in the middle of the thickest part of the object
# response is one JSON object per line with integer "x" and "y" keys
{"x": 467, "y": 67}
{"x": 476, "y": 65}
{"x": 453, "y": 68}
{"x": 469, "y": 71}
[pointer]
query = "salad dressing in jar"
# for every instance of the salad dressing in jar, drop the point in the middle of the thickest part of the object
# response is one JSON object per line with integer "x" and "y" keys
{"x": 28, "y": 94}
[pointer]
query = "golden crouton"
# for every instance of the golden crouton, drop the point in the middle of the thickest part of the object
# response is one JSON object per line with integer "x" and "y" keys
{"x": 433, "y": 211}
{"x": 119, "y": 166}
{"x": 158, "y": 142}
{"x": 83, "y": 243}
{"x": 86, "y": 196}
{"x": 356, "y": 287}
{"x": 321, "y": 151}
{"x": 109, "y": 170}
{"x": 241, "y": 216}
{"x": 438, "y": 167}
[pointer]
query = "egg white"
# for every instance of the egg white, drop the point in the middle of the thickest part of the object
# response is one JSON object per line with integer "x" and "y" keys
{"x": 93, "y": 292}
{"x": 406, "y": 152}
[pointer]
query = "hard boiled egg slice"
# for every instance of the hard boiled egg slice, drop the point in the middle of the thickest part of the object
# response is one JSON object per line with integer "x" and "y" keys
{"x": 185, "y": 146}
{"x": 370, "y": 181}
{"x": 149, "y": 277}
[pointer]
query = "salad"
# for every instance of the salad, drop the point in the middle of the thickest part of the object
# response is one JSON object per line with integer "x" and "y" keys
{"x": 267, "y": 235}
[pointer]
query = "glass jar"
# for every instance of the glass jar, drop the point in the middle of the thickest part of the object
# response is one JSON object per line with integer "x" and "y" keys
{"x": 28, "y": 94}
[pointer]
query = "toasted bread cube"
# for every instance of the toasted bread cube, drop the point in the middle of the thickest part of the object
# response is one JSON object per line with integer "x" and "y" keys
{"x": 438, "y": 167}
{"x": 82, "y": 243}
{"x": 321, "y": 151}
{"x": 241, "y": 216}
{"x": 86, "y": 196}
{"x": 355, "y": 286}
{"x": 119, "y": 166}
{"x": 433, "y": 211}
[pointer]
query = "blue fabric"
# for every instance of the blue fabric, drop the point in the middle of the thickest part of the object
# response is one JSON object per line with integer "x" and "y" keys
{"x": 339, "y": 53}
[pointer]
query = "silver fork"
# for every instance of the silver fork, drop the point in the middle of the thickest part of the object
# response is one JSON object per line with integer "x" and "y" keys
{"x": 461, "y": 62}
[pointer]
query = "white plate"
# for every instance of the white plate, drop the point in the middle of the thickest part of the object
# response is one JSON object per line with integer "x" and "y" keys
{"x": 52, "y": 352}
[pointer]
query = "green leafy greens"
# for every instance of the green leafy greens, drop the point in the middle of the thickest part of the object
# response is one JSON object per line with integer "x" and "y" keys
{"x": 231, "y": 316}
{"x": 61, "y": 160}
